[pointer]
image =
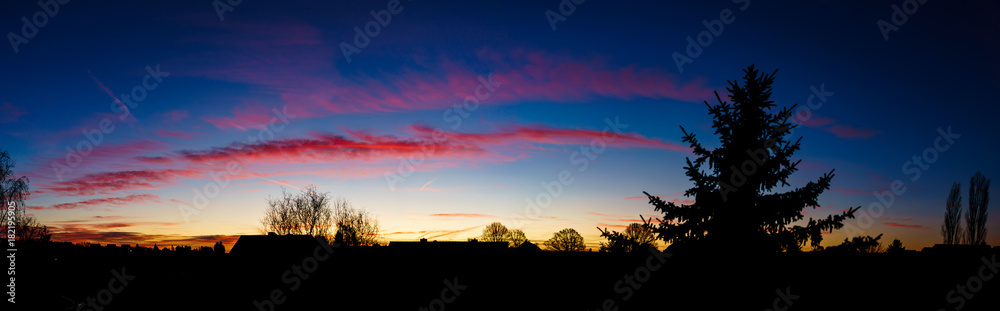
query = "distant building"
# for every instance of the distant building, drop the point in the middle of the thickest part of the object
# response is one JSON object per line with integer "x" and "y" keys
{"x": 273, "y": 244}
{"x": 447, "y": 245}
{"x": 529, "y": 247}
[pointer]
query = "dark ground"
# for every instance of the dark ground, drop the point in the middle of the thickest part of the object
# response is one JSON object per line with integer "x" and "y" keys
{"x": 384, "y": 278}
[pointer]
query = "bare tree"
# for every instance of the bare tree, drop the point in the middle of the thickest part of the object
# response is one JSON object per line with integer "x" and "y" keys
{"x": 495, "y": 232}
{"x": 951, "y": 229}
{"x": 566, "y": 240}
{"x": 355, "y": 227}
{"x": 15, "y": 191}
{"x": 517, "y": 237}
{"x": 305, "y": 213}
{"x": 315, "y": 213}
{"x": 975, "y": 218}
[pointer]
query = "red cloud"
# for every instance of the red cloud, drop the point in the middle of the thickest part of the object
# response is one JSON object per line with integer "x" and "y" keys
{"x": 130, "y": 199}
{"x": 356, "y": 152}
{"x": 153, "y": 160}
{"x": 540, "y": 134}
{"x": 110, "y": 182}
{"x": 78, "y": 234}
{"x": 367, "y": 147}
{"x": 844, "y": 131}
{"x": 893, "y": 224}
{"x": 327, "y": 147}
{"x": 612, "y": 226}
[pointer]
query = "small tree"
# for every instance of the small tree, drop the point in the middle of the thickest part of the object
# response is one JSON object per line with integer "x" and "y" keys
{"x": 306, "y": 213}
{"x": 219, "y": 249}
{"x": 355, "y": 227}
{"x": 517, "y": 237}
{"x": 495, "y": 232}
{"x": 979, "y": 200}
{"x": 858, "y": 245}
{"x": 636, "y": 237}
{"x": 566, "y": 240}
{"x": 951, "y": 229}
{"x": 896, "y": 247}
{"x": 15, "y": 190}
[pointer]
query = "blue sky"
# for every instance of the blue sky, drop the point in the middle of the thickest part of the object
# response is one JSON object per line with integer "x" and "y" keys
{"x": 352, "y": 121}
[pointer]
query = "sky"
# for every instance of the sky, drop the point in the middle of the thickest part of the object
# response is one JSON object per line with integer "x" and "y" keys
{"x": 172, "y": 122}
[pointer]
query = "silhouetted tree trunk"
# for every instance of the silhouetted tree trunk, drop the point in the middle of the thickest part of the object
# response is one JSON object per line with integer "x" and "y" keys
{"x": 975, "y": 218}
{"x": 951, "y": 229}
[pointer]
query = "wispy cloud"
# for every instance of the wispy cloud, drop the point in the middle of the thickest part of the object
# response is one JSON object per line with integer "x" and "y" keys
{"x": 464, "y": 215}
{"x": 10, "y": 113}
{"x": 899, "y": 225}
{"x": 126, "y": 200}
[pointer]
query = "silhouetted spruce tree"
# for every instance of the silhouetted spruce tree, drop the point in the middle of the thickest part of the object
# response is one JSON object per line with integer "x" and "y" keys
{"x": 219, "y": 249}
{"x": 636, "y": 238}
{"x": 952, "y": 227}
{"x": 896, "y": 247}
{"x": 736, "y": 206}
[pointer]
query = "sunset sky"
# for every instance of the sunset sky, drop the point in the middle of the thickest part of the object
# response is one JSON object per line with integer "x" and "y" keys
{"x": 266, "y": 98}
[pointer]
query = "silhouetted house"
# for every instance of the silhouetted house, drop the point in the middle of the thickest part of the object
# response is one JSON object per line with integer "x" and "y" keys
{"x": 957, "y": 249}
{"x": 528, "y": 247}
{"x": 271, "y": 245}
{"x": 447, "y": 245}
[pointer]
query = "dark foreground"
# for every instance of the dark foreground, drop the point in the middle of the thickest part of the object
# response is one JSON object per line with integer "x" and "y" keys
{"x": 384, "y": 278}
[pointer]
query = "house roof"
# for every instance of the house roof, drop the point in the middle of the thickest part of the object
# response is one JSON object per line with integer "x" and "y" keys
{"x": 274, "y": 244}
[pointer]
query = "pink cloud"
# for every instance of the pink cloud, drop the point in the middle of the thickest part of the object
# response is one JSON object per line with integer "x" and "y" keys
{"x": 295, "y": 62}
{"x": 548, "y": 135}
{"x": 175, "y": 115}
{"x": 110, "y": 182}
{"x": 105, "y": 156}
{"x": 682, "y": 201}
{"x": 175, "y": 134}
{"x": 844, "y": 131}
{"x": 817, "y": 122}
{"x": 10, "y": 113}
{"x": 130, "y": 199}
{"x": 604, "y": 225}
{"x": 839, "y": 130}
{"x": 851, "y": 191}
